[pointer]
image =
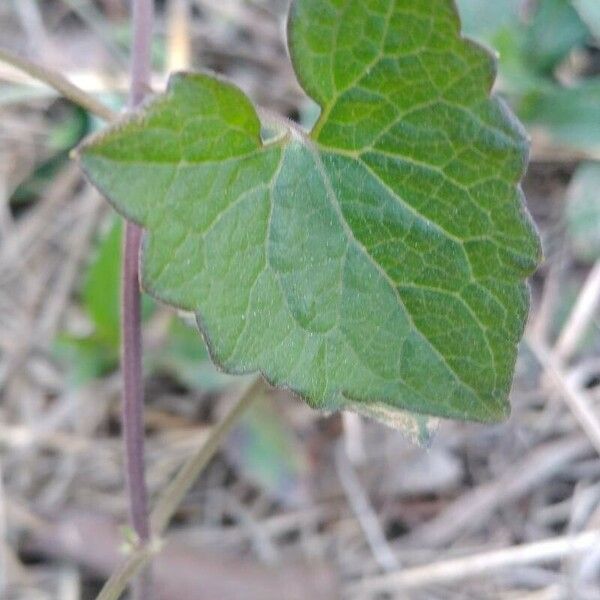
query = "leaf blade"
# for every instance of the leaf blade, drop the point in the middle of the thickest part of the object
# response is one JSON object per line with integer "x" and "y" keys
{"x": 370, "y": 264}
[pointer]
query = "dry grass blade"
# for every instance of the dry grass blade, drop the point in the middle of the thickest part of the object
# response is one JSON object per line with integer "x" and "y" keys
{"x": 575, "y": 397}
{"x": 581, "y": 316}
{"x": 472, "y": 510}
{"x": 179, "y": 47}
{"x": 59, "y": 83}
{"x": 475, "y": 565}
{"x": 364, "y": 512}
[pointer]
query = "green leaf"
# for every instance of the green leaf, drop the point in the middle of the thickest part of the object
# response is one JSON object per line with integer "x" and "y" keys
{"x": 184, "y": 357}
{"x": 569, "y": 115}
{"x": 84, "y": 358}
{"x": 376, "y": 264}
{"x": 555, "y": 30}
{"x": 269, "y": 452}
{"x": 102, "y": 287}
{"x": 100, "y": 291}
{"x": 589, "y": 12}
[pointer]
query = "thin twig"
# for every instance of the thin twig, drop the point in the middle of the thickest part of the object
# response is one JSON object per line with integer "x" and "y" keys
{"x": 582, "y": 314}
{"x": 478, "y": 564}
{"x": 546, "y": 308}
{"x": 576, "y": 399}
{"x": 364, "y": 512}
{"x": 354, "y": 439}
{"x": 130, "y": 569}
{"x": 475, "y": 507}
{"x": 32, "y": 228}
{"x": 179, "y": 45}
{"x": 58, "y": 295}
{"x": 62, "y": 85}
{"x": 170, "y": 499}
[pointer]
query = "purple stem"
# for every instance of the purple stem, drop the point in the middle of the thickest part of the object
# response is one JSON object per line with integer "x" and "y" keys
{"x": 133, "y": 391}
{"x": 141, "y": 64}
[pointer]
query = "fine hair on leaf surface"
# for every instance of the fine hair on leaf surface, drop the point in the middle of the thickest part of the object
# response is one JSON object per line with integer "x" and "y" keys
{"x": 376, "y": 263}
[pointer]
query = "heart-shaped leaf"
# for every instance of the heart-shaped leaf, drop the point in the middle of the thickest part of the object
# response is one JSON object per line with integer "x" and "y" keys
{"x": 376, "y": 263}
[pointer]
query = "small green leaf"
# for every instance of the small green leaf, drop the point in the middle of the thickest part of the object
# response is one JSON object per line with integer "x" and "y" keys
{"x": 100, "y": 291}
{"x": 376, "y": 264}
